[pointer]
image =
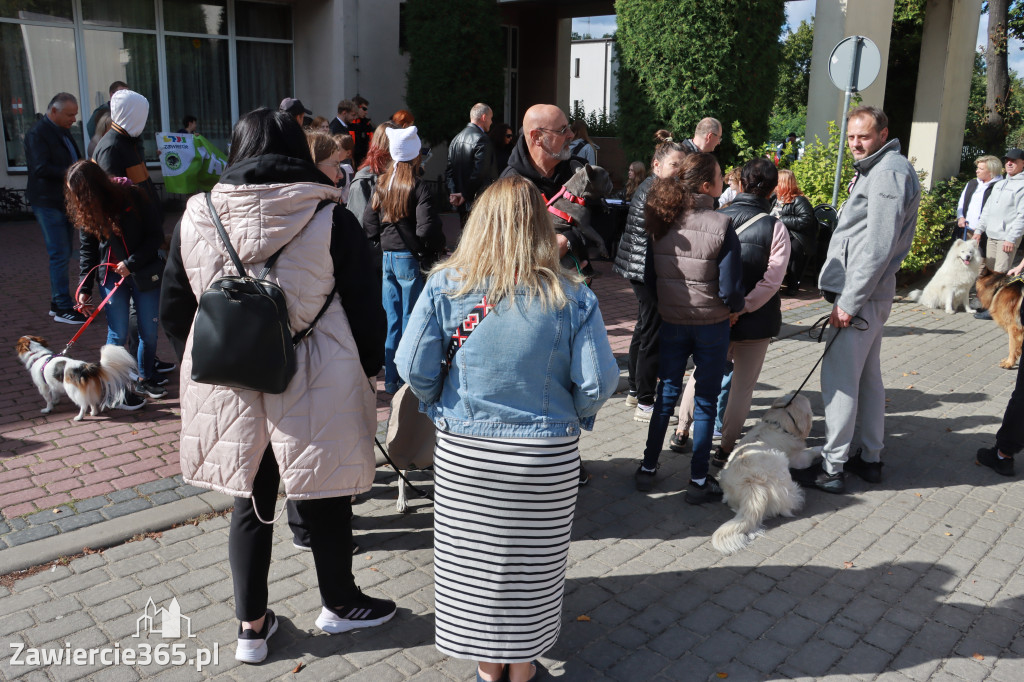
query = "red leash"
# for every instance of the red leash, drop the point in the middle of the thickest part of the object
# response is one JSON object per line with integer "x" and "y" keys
{"x": 96, "y": 312}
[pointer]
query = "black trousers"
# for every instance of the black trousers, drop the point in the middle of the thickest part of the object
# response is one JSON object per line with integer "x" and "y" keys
{"x": 329, "y": 522}
{"x": 643, "y": 348}
{"x": 1010, "y": 436}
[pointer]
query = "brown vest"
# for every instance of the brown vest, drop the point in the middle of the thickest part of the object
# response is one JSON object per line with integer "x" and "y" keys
{"x": 686, "y": 263}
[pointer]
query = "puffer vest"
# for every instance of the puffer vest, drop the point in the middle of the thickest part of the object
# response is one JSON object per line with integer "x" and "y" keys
{"x": 755, "y": 250}
{"x": 322, "y": 427}
{"x": 686, "y": 263}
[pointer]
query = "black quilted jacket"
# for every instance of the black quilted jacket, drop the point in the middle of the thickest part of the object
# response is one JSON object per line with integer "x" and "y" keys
{"x": 629, "y": 259}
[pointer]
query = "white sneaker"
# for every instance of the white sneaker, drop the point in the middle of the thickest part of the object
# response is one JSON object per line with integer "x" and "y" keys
{"x": 643, "y": 413}
{"x": 252, "y": 645}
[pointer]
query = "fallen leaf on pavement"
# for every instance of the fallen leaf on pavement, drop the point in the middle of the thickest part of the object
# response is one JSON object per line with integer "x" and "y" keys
{"x": 978, "y": 657}
{"x": 722, "y": 676}
{"x": 299, "y": 667}
{"x": 949, "y": 430}
{"x": 910, "y": 386}
{"x": 583, "y": 619}
{"x": 949, "y": 534}
{"x": 847, "y": 564}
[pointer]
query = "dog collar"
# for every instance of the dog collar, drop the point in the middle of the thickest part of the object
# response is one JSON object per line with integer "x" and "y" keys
{"x": 563, "y": 193}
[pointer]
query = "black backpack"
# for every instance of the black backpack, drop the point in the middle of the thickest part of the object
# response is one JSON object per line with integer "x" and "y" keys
{"x": 241, "y": 337}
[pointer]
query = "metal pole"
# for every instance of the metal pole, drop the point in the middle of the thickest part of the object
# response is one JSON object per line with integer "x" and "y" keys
{"x": 850, "y": 89}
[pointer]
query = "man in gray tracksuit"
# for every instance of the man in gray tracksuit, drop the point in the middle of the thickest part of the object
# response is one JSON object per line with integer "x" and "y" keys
{"x": 874, "y": 234}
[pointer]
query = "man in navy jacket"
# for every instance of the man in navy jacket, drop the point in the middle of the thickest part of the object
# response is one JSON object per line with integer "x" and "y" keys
{"x": 50, "y": 150}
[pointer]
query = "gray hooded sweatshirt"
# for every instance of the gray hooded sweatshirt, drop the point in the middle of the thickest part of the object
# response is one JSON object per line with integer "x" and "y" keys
{"x": 875, "y": 231}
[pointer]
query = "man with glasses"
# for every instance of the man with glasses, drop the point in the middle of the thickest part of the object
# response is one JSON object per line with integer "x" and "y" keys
{"x": 362, "y": 129}
{"x": 875, "y": 231}
{"x": 706, "y": 137}
{"x": 542, "y": 156}
{"x": 471, "y": 161}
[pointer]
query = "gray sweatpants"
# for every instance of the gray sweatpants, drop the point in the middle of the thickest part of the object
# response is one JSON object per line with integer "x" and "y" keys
{"x": 851, "y": 386}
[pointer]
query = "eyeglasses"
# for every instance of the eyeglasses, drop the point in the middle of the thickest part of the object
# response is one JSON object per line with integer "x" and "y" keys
{"x": 329, "y": 164}
{"x": 561, "y": 131}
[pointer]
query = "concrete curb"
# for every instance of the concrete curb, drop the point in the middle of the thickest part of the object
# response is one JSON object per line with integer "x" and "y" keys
{"x": 112, "y": 532}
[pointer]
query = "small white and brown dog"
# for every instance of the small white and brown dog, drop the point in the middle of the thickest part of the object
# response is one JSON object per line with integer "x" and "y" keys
{"x": 951, "y": 285}
{"x": 93, "y": 386}
{"x": 756, "y": 481}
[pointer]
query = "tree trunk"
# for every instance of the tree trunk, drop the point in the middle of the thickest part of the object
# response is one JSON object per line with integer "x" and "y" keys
{"x": 998, "y": 77}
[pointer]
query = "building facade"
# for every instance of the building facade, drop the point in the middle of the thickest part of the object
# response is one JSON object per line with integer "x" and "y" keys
{"x": 212, "y": 59}
{"x": 593, "y": 82}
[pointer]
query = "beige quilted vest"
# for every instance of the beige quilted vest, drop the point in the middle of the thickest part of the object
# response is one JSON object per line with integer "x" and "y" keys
{"x": 686, "y": 261}
{"x": 322, "y": 427}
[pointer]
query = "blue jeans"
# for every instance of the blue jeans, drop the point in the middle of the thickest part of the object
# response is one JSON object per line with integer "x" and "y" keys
{"x": 709, "y": 346}
{"x": 57, "y": 232}
{"x": 723, "y": 397}
{"x": 147, "y": 308}
{"x": 402, "y": 285}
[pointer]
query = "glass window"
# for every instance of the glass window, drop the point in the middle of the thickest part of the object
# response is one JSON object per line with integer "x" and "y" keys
{"x": 36, "y": 10}
{"x": 36, "y": 62}
{"x": 190, "y": 16}
{"x": 123, "y": 13}
{"x": 197, "y": 84}
{"x": 129, "y": 57}
{"x": 264, "y": 74}
{"x": 262, "y": 20}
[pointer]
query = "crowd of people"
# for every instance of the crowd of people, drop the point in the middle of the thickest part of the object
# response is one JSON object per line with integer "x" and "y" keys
{"x": 505, "y": 349}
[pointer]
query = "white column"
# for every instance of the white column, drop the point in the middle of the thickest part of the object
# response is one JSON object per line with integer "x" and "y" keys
{"x": 943, "y": 87}
{"x": 833, "y": 21}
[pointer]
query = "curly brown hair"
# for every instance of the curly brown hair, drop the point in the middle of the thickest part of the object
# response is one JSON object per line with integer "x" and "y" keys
{"x": 94, "y": 202}
{"x": 669, "y": 199}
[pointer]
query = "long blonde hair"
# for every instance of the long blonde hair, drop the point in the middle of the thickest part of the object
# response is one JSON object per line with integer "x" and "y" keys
{"x": 509, "y": 243}
{"x": 391, "y": 198}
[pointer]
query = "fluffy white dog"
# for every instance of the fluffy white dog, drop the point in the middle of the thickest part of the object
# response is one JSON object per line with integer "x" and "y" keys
{"x": 756, "y": 479}
{"x": 951, "y": 285}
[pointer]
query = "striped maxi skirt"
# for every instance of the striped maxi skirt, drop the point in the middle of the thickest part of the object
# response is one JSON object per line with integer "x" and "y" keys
{"x": 503, "y": 512}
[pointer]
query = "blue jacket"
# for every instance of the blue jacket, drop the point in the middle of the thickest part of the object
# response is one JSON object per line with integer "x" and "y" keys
{"x": 524, "y": 372}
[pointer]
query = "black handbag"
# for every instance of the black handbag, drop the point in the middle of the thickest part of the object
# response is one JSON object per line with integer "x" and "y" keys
{"x": 241, "y": 337}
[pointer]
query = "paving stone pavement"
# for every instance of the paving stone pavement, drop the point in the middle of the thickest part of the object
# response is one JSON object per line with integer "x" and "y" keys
{"x": 912, "y": 579}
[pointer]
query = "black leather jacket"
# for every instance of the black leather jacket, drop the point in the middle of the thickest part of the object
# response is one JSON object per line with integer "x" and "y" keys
{"x": 632, "y": 253}
{"x": 48, "y": 161}
{"x": 798, "y": 217}
{"x": 471, "y": 166}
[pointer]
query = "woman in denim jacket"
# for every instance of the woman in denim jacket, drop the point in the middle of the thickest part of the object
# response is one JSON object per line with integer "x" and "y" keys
{"x": 509, "y": 411}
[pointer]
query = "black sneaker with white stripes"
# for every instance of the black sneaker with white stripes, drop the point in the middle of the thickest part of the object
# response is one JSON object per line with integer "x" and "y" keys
{"x": 69, "y": 317}
{"x": 365, "y": 612}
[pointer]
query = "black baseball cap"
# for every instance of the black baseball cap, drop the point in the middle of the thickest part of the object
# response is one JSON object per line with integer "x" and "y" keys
{"x": 1015, "y": 154}
{"x": 294, "y": 106}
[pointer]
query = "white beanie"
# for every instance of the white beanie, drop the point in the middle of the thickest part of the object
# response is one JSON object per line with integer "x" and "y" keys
{"x": 129, "y": 110}
{"x": 404, "y": 144}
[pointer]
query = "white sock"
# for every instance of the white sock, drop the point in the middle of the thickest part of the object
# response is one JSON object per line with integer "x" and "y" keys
{"x": 698, "y": 482}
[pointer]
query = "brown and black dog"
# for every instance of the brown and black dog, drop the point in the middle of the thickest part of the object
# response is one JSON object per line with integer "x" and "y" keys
{"x": 1001, "y": 294}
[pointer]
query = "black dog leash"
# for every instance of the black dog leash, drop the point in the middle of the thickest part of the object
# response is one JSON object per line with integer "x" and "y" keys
{"x": 418, "y": 491}
{"x": 817, "y": 332}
